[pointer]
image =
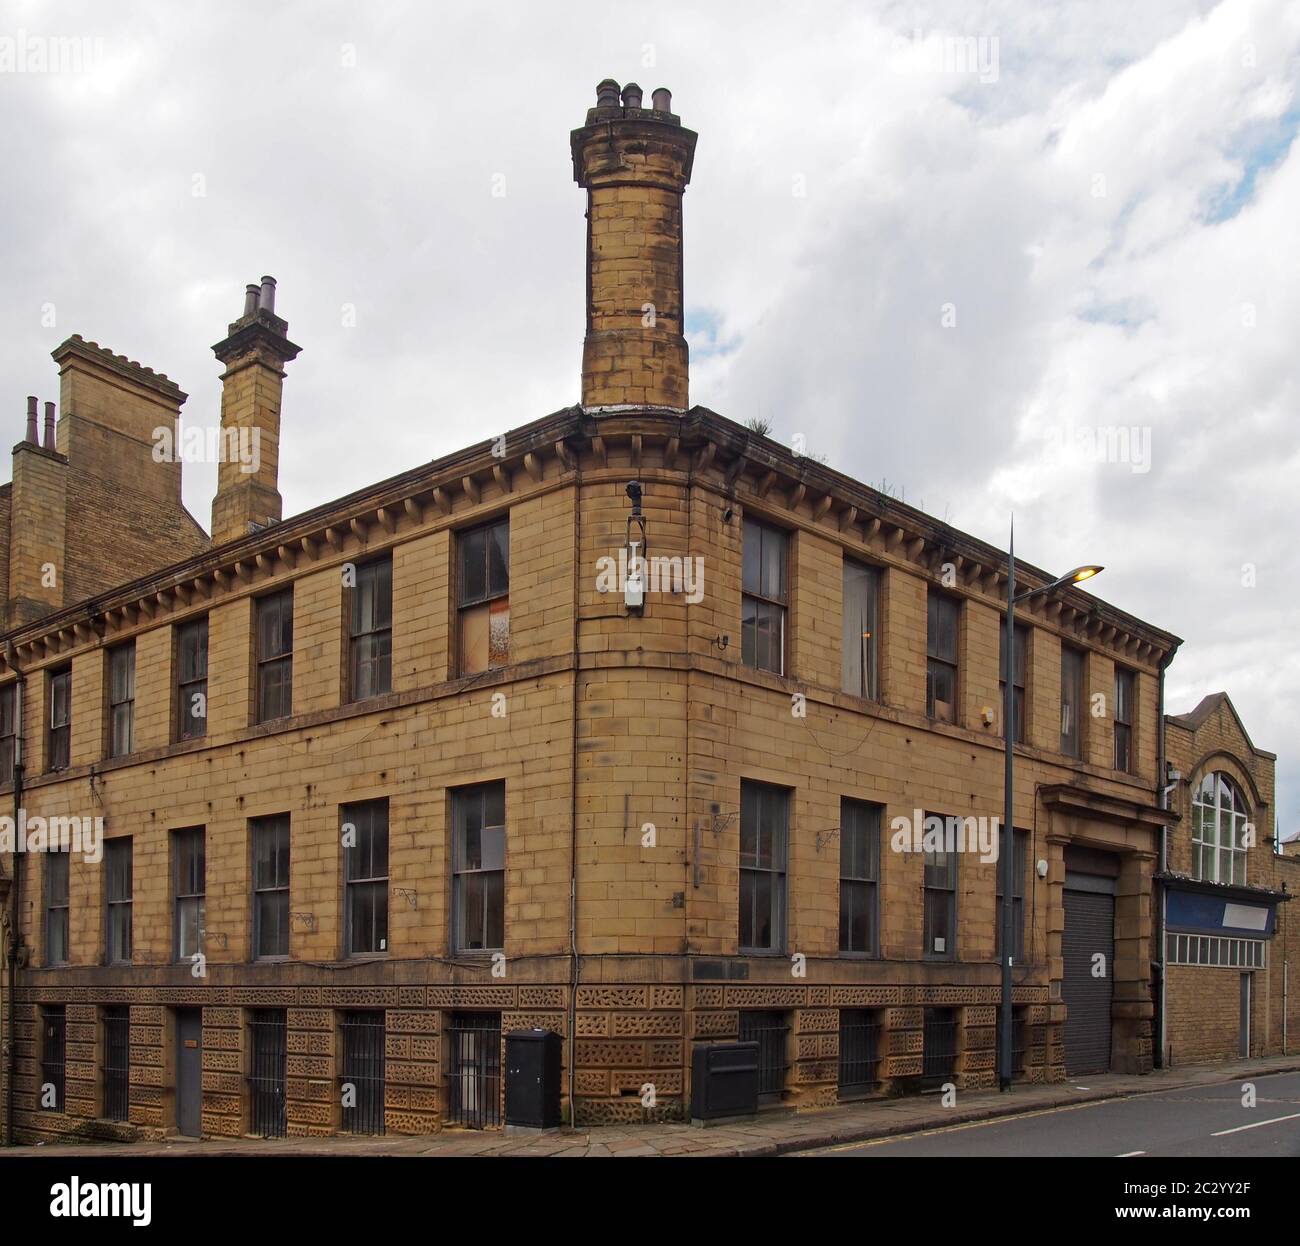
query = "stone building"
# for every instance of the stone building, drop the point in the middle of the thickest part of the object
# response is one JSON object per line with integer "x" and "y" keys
{"x": 440, "y": 759}
{"x": 1230, "y": 939}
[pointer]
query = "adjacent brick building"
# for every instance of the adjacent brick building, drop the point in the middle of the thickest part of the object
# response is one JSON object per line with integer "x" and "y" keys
{"x": 386, "y": 779}
{"x": 1230, "y": 938}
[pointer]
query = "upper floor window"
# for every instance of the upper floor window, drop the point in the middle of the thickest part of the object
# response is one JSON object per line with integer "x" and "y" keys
{"x": 941, "y": 657}
{"x": 56, "y": 908}
{"x": 365, "y": 850}
{"x": 1219, "y": 821}
{"x": 275, "y": 655}
{"x": 117, "y": 899}
{"x": 764, "y": 831}
{"x": 271, "y": 886}
{"x": 1073, "y": 670}
{"x": 58, "y": 734}
{"x": 861, "y": 626}
{"x": 763, "y": 597}
{"x": 121, "y": 699}
{"x": 189, "y": 855}
{"x": 483, "y": 596}
{"x": 1123, "y": 719}
{"x": 1019, "y": 665}
{"x": 1019, "y": 864}
{"x": 479, "y": 867}
{"x": 8, "y": 731}
{"x": 370, "y": 636}
{"x": 192, "y": 679}
{"x": 859, "y": 876}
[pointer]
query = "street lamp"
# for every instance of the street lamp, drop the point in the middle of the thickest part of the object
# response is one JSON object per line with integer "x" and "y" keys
{"x": 1006, "y": 841}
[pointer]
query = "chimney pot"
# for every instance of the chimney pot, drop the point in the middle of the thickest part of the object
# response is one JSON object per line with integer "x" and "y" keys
{"x": 631, "y": 96}
{"x": 607, "y": 94}
{"x": 49, "y": 426}
{"x": 267, "y": 302}
{"x": 31, "y": 419}
{"x": 662, "y": 99}
{"x": 251, "y": 293}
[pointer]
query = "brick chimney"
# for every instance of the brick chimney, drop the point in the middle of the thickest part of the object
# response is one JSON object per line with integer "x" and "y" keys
{"x": 254, "y": 354}
{"x": 634, "y": 163}
{"x": 35, "y": 525}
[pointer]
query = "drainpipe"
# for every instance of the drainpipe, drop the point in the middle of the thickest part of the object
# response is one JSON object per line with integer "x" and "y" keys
{"x": 15, "y": 900}
{"x": 1164, "y": 789}
{"x": 574, "y": 973}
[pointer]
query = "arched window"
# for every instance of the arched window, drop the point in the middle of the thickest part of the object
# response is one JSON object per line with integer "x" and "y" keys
{"x": 1219, "y": 821}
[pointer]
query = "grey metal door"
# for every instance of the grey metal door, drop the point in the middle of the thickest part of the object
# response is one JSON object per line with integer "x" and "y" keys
{"x": 1089, "y": 981}
{"x": 189, "y": 1071}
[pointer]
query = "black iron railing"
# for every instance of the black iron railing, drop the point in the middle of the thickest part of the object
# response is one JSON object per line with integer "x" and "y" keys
{"x": 266, "y": 1079}
{"x": 474, "y": 1070}
{"x": 363, "y": 1072}
{"x": 859, "y": 1051}
{"x": 939, "y": 1053}
{"x": 117, "y": 1063}
{"x": 769, "y": 1030}
{"x": 54, "y": 1054}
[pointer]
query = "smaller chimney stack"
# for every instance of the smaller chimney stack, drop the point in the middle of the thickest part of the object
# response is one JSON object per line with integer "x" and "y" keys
{"x": 31, "y": 419}
{"x": 253, "y": 355}
{"x": 662, "y": 99}
{"x": 49, "y": 426}
{"x": 631, "y": 96}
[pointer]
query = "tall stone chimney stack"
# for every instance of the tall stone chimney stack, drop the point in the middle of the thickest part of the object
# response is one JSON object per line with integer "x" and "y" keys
{"x": 634, "y": 163}
{"x": 254, "y": 353}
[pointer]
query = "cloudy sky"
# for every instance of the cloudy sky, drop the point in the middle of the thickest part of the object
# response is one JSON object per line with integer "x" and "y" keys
{"x": 997, "y": 257}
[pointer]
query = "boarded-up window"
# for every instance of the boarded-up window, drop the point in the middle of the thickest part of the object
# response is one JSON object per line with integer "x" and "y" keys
{"x": 483, "y": 594}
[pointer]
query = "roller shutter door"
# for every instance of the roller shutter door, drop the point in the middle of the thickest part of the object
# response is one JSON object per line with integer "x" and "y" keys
{"x": 1089, "y": 929}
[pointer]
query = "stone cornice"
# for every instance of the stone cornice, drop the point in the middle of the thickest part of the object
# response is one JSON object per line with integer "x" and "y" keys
{"x": 127, "y": 369}
{"x": 713, "y": 450}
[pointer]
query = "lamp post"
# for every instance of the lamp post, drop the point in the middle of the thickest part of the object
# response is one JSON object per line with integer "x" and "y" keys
{"x": 1007, "y": 837}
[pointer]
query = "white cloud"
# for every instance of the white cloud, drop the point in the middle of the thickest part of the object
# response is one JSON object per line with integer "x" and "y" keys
{"x": 372, "y": 186}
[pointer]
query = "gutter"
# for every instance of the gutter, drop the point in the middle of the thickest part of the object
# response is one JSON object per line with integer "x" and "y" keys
{"x": 574, "y": 971}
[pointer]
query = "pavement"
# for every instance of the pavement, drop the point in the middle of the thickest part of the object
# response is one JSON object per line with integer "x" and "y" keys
{"x": 773, "y": 1132}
